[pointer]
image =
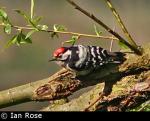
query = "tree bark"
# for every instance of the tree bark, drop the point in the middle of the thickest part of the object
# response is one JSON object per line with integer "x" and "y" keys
{"x": 131, "y": 88}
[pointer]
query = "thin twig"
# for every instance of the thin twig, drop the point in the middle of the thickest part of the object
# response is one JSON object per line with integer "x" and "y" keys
{"x": 96, "y": 101}
{"x": 64, "y": 32}
{"x": 112, "y": 41}
{"x": 32, "y": 8}
{"x": 83, "y": 35}
{"x": 118, "y": 18}
{"x": 121, "y": 39}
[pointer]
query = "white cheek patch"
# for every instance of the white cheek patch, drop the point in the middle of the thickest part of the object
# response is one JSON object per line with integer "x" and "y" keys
{"x": 65, "y": 55}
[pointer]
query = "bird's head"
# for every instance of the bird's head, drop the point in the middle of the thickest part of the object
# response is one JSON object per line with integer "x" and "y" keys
{"x": 61, "y": 55}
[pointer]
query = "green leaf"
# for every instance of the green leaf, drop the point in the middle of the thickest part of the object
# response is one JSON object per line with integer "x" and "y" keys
{"x": 7, "y": 28}
{"x": 97, "y": 31}
{"x": 37, "y": 20}
{"x": 42, "y": 27}
{"x": 122, "y": 45}
{"x": 75, "y": 38}
{"x": 3, "y": 14}
{"x": 4, "y": 17}
{"x": 23, "y": 40}
{"x": 30, "y": 33}
{"x": 22, "y": 13}
{"x": 13, "y": 40}
{"x": 57, "y": 27}
{"x": 28, "y": 41}
{"x": 33, "y": 24}
{"x": 72, "y": 40}
{"x": 18, "y": 40}
{"x": 28, "y": 19}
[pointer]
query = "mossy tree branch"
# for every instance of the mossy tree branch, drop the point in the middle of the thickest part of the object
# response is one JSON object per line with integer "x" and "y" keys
{"x": 47, "y": 89}
{"x": 130, "y": 91}
{"x": 61, "y": 85}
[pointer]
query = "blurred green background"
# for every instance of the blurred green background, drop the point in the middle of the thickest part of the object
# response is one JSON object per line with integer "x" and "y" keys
{"x": 28, "y": 63}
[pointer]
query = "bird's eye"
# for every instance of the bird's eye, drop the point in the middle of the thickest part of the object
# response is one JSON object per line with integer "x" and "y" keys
{"x": 60, "y": 55}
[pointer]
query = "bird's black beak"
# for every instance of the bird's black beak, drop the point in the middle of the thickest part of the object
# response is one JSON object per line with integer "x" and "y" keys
{"x": 53, "y": 59}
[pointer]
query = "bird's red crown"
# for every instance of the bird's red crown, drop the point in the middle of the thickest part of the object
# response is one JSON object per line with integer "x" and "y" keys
{"x": 59, "y": 51}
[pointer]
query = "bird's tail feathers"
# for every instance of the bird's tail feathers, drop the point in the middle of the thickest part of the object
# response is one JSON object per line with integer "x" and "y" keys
{"x": 118, "y": 57}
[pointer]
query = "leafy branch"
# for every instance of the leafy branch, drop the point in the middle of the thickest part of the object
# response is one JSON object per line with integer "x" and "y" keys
{"x": 34, "y": 26}
{"x": 136, "y": 49}
{"x": 118, "y": 18}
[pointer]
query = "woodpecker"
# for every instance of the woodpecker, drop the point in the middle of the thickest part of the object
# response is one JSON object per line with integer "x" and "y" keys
{"x": 83, "y": 60}
{"x": 90, "y": 63}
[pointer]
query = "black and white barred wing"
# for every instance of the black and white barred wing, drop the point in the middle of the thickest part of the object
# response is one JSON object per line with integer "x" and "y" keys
{"x": 98, "y": 57}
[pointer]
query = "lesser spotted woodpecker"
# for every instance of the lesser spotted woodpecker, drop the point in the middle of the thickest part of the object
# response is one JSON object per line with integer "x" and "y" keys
{"x": 84, "y": 59}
